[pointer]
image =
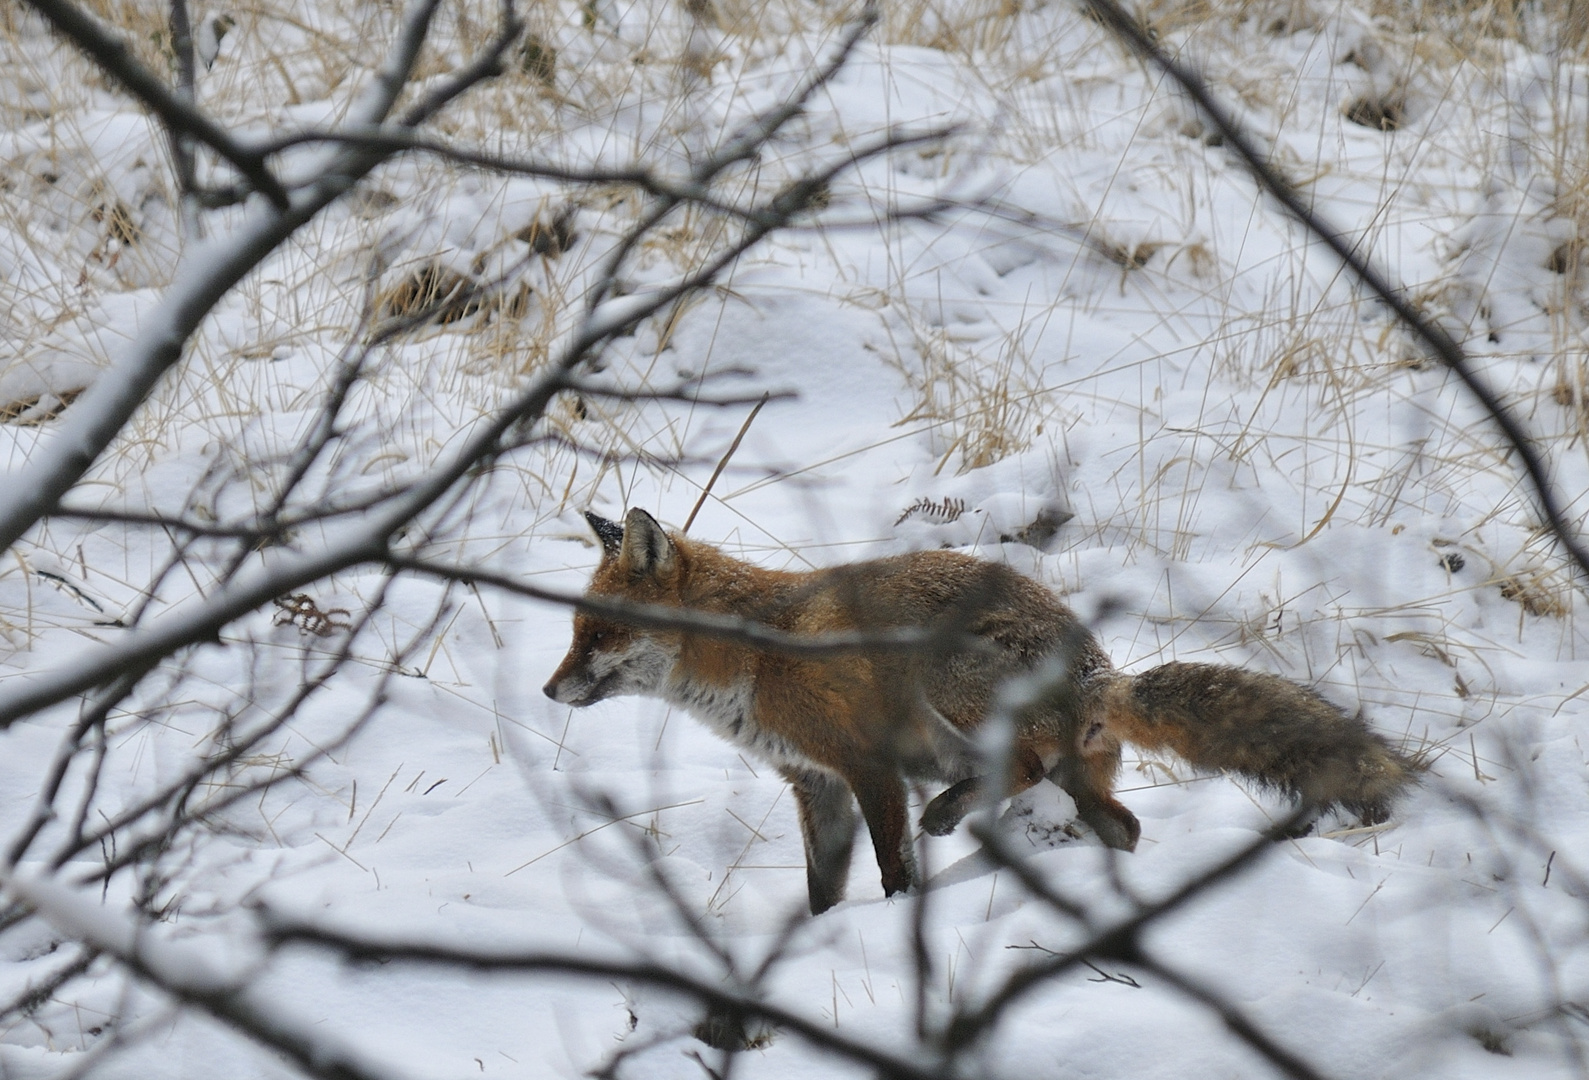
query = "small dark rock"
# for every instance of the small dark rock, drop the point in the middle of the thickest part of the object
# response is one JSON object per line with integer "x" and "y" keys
{"x": 1381, "y": 114}
{"x": 1564, "y": 259}
{"x": 548, "y": 237}
{"x": 1041, "y": 529}
{"x": 725, "y": 1029}
{"x": 538, "y": 59}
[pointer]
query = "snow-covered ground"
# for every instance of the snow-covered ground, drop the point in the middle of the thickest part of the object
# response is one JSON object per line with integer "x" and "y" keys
{"x": 1262, "y": 469}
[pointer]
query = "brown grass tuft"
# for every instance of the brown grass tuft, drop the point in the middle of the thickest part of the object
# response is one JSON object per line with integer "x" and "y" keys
{"x": 548, "y": 236}
{"x": 1537, "y": 591}
{"x": 35, "y": 410}
{"x": 447, "y": 294}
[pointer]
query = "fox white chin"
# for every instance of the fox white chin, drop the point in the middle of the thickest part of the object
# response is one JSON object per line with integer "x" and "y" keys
{"x": 641, "y": 668}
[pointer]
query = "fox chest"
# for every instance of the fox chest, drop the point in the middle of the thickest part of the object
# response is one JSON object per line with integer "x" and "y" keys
{"x": 729, "y": 710}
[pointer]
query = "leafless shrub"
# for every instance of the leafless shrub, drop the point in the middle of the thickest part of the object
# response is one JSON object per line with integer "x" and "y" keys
{"x": 343, "y": 506}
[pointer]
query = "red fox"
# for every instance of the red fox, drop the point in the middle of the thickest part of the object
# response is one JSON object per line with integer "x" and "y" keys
{"x": 852, "y": 728}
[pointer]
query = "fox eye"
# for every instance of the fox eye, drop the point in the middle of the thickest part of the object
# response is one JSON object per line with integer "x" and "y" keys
{"x": 596, "y": 636}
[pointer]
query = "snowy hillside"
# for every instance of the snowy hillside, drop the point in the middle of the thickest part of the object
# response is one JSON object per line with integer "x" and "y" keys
{"x": 1070, "y": 303}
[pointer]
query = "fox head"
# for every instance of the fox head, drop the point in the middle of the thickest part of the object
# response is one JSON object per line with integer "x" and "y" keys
{"x": 639, "y": 562}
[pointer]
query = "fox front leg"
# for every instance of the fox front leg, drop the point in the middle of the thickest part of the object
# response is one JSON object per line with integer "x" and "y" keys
{"x": 882, "y": 798}
{"x": 944, "y": 813}
{"x": 827, "y": 824}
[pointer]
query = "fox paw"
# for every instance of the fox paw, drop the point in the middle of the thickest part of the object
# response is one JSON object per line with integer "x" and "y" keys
{"x": 939, "y": 820}
{"x": 944, "y": 813}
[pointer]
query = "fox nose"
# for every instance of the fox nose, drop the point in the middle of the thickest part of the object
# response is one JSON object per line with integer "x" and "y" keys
{"x": 550, "y": 689}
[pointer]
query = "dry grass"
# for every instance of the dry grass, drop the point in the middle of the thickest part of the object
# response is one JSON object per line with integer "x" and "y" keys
{"x": 980, "y": 408}
{"x": 982, "y": 394}
{"x": 1543, "y": 593}
{"x": 970, "y": 30}
{"x": 1289, "y": 381}
{"x": 38, "y": 408}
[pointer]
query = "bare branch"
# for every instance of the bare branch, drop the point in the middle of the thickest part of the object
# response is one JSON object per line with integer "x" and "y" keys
{"x": 205, "y": 276}
{"x": 486, "y": 65}
{"x": 178, "y": 113}
{"x": 174, "y": 524}
{"x": 1434, "y": 338}
{"x": 684, "y": 393}
{"x": 394, "y": 73}
{"x": 649, "y": 972}
{"x": 696, "y": 191}
{"x": 181, "y": 144}
{"x": 94, "y": 714}
{"x": 1118, "y": 941}
{"x": 708, "y": 624}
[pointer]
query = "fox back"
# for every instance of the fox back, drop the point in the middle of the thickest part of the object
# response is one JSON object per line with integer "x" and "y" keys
{"x": 821, "y": 709}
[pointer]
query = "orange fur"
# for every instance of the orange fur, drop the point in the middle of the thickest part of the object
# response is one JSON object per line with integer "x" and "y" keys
{"x": 867, "y": 719}
{"x": 861, "y": 723}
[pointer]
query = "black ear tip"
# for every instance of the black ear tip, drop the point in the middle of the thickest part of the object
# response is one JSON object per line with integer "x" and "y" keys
{"x": 610, "y": 533}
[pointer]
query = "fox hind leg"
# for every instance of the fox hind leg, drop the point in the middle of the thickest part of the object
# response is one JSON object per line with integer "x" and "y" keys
{"x": 1089, "y": 779}
{"x": 827, "y": 824}
{"x": 945, "y": 812}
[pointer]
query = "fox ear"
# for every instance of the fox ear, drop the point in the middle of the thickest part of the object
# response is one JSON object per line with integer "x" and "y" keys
{"x": 646, "y": 548}
{"x": 610, "y": 533}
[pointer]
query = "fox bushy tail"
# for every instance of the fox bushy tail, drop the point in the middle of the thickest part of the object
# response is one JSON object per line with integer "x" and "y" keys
{"x": 1273, "y": 730}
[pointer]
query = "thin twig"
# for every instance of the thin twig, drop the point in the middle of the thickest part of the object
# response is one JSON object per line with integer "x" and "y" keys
{"x": 178, "y": 114}
{"x": 711, "y": 994}
{"x": 1434, "y": 338}
{"x": 723, "y": 464}
{"x": 708, "y": 624}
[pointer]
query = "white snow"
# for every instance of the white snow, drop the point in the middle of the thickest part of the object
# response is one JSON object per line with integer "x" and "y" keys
{"x": 1113, "y": 324}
